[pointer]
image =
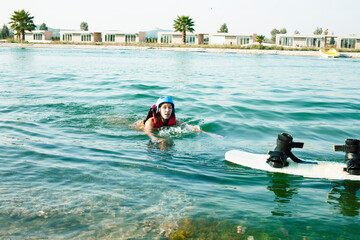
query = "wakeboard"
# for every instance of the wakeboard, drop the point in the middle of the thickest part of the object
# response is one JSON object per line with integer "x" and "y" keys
{"x": 311, "y": 169}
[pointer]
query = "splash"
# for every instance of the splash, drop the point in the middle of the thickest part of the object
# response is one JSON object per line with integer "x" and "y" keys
{"x": 178, "y": 131}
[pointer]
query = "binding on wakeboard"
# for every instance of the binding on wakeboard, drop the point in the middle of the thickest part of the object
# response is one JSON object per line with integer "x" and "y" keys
{"x": 282, "y": 151}
{"x": 352, "y": 155}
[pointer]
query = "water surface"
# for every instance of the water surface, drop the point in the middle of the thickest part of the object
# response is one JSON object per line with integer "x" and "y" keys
{"x": 73, "y": 167}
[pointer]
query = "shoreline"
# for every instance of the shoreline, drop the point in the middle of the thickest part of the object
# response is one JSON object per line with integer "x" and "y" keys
{"x": 176, "y": 49}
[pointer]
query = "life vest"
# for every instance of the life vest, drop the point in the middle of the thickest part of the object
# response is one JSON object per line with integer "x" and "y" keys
{"x": 158, "y": 123}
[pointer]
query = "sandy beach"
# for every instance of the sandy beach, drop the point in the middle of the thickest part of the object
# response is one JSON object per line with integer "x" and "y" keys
{"x": 177, "y": 49}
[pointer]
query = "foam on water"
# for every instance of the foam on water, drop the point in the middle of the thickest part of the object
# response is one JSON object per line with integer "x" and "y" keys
{"x": 179, "y": 131}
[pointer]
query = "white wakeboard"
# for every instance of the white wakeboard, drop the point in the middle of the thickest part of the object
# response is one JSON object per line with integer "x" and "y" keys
{"x": 322, "y": 169}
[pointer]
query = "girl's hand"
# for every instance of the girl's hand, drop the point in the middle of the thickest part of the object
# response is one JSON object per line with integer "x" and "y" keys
{"x": 156, "y": 139}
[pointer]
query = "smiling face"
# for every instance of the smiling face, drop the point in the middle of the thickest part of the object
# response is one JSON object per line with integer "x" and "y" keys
{"x": 166, "y": 110}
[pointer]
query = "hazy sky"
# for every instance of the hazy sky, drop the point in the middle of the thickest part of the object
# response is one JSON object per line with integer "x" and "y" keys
{"x": 251, "y": 16}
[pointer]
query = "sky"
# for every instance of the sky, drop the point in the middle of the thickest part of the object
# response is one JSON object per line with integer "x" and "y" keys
{"x": 241, "y": 17}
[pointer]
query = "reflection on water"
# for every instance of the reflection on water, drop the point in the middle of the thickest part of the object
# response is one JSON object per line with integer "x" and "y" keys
{"x": 343, "y": 197}
{"x": 284, "y": 186}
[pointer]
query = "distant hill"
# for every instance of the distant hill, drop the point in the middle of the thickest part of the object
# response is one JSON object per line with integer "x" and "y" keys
{"x": 154, "y": 33}
{"x": 56, "y": 32}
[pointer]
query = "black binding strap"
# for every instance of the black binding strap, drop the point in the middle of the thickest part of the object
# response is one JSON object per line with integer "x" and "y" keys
{"x": 297, "y": 145}
{"x": 284, "y": 144}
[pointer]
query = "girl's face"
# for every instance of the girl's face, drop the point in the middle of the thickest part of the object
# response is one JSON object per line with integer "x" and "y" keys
{"x": 166, "y": 110}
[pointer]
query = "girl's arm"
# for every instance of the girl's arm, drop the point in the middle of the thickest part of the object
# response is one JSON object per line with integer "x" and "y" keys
{"x": 149, "y": 127}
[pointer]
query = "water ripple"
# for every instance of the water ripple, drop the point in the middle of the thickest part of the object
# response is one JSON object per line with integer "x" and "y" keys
{"x": 73, "y": 166}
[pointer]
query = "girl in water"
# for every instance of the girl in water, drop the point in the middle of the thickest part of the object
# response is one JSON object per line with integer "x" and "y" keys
{"x": 162, "y": 114}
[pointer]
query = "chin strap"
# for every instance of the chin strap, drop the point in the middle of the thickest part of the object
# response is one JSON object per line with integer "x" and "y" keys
{"x": 165, "y": 122}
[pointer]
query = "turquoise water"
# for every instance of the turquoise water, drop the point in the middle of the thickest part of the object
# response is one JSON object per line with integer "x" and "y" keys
{"x": 72, "y": 165}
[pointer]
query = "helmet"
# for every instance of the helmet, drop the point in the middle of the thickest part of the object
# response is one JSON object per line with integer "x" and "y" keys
{"x": 164, "y": 99}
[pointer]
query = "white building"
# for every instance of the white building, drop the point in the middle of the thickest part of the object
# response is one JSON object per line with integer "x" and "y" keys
{"x": 108, "y": 37}
{"x": 231, "y": 39}
{"x": 297, "y": 40}
{"x": 350, "y": 42}
{"x": 122, "y": 37}
{"x": 80, "y": 36}
{"x": 38, "y": 36}
{"x": 176, "y": 38}
{"x": 205, "y": 38}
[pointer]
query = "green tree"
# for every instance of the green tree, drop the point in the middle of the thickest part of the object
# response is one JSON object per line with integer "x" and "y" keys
{"x": 224, "y": 28}
{"x": 84, "y": 26}
{"x": 4, "y": 32}
{"x": 273, "y": 34}
{"x": 318, "y": 31}
{"x": 283, "y": 31}
{"x": 184, "y": 24}
{"x": 332, "y": 40}
{"x": 260, "y": 39}
{"x": 326, "y": 32}
{"x": 296, "y": 32}
{"x": 43, "y": 27}
{"x": 21, "y": 21}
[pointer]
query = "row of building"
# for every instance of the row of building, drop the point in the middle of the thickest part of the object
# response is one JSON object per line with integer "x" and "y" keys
{"x": 134, "y": 37}
{"x": 285, "y": 40}
{"x": 317, "y": 41}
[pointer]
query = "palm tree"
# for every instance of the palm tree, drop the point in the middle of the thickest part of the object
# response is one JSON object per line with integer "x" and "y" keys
{"x": 260, "y": 39}
{"x": 183, "y": 24}
{"x": 21, "y": 21}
